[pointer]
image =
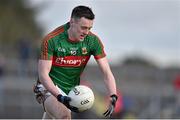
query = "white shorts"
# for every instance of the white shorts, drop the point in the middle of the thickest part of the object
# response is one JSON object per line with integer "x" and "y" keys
{"x": 42, "y": 93}
{"x": 61, "y": 92}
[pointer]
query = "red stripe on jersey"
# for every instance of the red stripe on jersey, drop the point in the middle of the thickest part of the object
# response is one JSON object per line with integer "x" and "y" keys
{"x": 70, "y": 61}
{"x": 99, "y": 56}
{"x": 44, "y": 52}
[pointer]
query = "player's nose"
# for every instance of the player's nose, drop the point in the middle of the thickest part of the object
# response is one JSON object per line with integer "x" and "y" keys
{"x": 86, "y": 32}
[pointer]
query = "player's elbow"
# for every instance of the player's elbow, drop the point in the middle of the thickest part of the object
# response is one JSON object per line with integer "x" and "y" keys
{"x": 42, "y": 76}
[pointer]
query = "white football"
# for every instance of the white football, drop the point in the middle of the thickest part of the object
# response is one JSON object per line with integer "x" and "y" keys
{"x": 82, "y": 97}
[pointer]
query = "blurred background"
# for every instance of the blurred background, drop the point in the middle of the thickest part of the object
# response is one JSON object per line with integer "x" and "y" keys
{"x": 142, "y": 43}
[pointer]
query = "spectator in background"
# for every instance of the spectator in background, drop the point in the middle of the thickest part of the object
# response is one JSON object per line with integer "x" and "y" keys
{"x": 24, "y": 48}
{"x": 176, "y": 83}
{"x": 2, "y": 63}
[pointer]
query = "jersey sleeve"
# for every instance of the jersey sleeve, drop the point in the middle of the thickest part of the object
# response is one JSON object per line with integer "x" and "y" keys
{"x": 98, "y": 50}
{"x": 46, "y": 51}
{"x": 48, "y": 44}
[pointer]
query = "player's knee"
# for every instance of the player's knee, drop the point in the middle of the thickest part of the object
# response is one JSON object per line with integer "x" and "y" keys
{"x": 65, "y": 114}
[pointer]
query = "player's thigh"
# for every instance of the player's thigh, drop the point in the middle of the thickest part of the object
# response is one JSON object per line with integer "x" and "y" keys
{"x": 56, "y": 109}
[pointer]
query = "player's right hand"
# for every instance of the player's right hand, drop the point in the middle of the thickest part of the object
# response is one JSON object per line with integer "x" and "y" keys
{"x": 65, "y": 100}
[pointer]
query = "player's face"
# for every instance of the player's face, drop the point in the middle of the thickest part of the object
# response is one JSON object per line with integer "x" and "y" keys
{"x": 81, "y": 28}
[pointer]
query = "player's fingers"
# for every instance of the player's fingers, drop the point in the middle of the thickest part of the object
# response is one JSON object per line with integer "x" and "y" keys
{"x": 74, "y": 109}
{"x": 67, "y": 98}
{"x": 109, "y": 112}
{"x": 106, "y": 113}
{"x": 112, "y": 110}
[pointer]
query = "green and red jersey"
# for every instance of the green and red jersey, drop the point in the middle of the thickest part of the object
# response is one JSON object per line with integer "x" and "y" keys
{"x": 69, "y": 58}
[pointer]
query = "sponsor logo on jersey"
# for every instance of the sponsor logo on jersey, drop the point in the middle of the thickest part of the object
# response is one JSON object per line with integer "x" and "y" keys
{"x": 71, "y": 61}
{"x": 84, "y": 50}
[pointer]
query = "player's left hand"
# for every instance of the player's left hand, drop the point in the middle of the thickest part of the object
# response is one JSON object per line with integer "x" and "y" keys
{"x": 112, "y": 105}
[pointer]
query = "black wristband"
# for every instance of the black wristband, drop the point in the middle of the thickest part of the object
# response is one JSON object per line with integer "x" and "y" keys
{"x": 59, "y": 98}
{"x": 114, "y": 96}
{"x": 114, "y": 99}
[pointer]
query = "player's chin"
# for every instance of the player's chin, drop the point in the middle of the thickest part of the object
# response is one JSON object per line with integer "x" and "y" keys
{"x": 81, "y": 39}
{"x": 82, "y": 36}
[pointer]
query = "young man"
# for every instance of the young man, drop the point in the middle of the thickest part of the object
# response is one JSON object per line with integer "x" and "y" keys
{"x": 64, "y": 55}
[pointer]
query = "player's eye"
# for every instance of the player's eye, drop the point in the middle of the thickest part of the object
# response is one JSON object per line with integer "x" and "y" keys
{"x": 86, "y": 28}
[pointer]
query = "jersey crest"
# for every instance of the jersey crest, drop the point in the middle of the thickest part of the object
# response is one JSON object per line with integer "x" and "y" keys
{"x": 84, "y": 50}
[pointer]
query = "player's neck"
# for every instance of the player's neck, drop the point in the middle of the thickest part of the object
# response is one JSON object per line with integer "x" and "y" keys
{"x": 71, "y": 36}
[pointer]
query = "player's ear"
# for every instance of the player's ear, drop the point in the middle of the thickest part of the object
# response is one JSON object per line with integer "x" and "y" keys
{"x": 72, "y": 20}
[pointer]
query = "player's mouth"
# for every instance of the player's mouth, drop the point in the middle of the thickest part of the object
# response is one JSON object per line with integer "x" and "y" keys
{"x": 82, "y": 36}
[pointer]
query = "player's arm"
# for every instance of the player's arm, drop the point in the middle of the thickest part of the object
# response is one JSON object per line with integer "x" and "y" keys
{"x": 44, "y": 67}
{"x": 108, "y": 76}
{"x": 110, "y": 84}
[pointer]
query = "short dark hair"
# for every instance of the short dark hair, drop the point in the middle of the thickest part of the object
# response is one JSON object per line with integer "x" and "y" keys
{"x": 82, "y": 11}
